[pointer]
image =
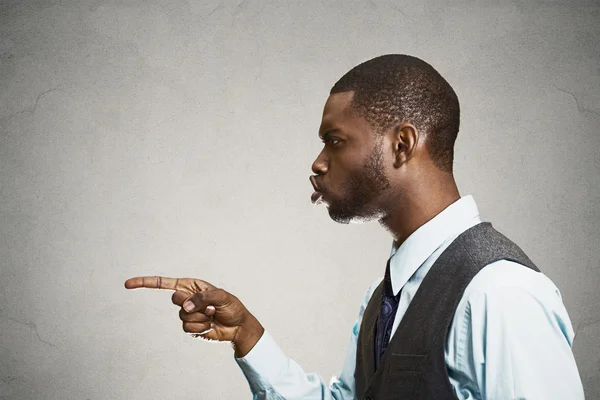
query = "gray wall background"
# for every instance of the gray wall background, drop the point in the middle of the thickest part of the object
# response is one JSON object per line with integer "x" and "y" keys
{"x": 176, "y": 137}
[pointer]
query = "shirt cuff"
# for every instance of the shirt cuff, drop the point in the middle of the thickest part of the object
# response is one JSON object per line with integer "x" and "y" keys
{"x": 264, "y": 363}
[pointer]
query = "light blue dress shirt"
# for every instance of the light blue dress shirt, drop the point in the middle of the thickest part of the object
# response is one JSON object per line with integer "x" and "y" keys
{"x": 510, "y": 338}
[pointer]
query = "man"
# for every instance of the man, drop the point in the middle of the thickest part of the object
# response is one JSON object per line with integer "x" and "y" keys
{"x": 461, "y": 311}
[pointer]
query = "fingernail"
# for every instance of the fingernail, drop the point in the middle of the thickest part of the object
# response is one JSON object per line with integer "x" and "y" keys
{"x": 188, "y": 306}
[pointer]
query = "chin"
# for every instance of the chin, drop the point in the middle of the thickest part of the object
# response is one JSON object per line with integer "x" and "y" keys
{"x": 348, "y": 217}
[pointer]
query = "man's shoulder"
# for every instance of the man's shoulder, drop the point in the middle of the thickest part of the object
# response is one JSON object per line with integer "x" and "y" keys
{"x": 511, "y": 298}
{"x": 504, "y": 278}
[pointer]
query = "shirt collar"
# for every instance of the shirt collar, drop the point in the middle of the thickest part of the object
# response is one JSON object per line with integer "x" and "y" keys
{"x": 417, "y": 248}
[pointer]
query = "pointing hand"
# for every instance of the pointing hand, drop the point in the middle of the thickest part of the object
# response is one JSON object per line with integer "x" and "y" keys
{"x": 207, "y": 311}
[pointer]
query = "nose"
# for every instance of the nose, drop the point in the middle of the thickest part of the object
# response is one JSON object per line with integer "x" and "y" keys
{"x": 320, "y": 165}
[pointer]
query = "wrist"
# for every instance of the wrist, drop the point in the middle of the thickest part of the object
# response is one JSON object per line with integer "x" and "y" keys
{"x": 246, "y": 336}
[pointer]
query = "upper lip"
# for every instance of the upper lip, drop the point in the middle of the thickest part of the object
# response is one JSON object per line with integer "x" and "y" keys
{"x": 313, "y": 180}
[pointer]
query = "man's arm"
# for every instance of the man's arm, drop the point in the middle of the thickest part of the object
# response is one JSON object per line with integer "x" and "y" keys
{"x": 272, "y": 375}
{"x": 512, "y": 338}
{"x": 214, "y": 314}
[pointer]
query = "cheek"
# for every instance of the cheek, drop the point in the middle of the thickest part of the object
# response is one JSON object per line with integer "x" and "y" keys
{"x": 344, "y": 180}
{"x": 346, "y": 165}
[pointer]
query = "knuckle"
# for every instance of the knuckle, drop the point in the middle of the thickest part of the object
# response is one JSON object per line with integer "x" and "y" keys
{"x": 202, "y": 317}
{"x": 183, "y": 315}
{"x": 193, "y": 316}
{"x": 176, "y": 298}
{"x": 194, "y": 327}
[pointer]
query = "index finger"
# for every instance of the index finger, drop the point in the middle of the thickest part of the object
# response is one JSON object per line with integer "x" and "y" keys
{"x": 152, "y": 282}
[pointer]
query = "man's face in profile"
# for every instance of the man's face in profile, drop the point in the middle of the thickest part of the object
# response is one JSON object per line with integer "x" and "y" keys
{"x": 350, "y": 168}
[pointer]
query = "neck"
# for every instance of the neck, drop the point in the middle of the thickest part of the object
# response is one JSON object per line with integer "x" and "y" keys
{"x": 427, "y": 197}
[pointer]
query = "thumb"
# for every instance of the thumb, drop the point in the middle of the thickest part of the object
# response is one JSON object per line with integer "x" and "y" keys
{"x": 199, "y": 301}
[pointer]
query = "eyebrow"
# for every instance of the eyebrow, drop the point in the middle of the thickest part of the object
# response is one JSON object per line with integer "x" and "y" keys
{"x": 325, "y": 135}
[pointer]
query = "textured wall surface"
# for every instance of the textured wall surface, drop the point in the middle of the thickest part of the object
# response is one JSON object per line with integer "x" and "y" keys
{"x": 176, "y": 137}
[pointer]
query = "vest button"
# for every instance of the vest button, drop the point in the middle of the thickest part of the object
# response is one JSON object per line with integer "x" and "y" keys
{"x": 369, "y": 398}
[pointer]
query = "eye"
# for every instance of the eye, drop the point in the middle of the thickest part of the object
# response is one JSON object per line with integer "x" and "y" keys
{"x": 332, "y": 141}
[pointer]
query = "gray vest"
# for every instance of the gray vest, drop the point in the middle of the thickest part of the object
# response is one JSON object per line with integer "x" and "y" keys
{"x": 413, "y": 366}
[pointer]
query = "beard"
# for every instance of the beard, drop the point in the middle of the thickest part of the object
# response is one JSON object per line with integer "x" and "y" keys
{"x": 359, "y": 192}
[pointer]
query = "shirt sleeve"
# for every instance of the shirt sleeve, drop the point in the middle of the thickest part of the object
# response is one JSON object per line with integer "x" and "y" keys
{"x": 515, "y": 339}
{"x": 274, "y": 376}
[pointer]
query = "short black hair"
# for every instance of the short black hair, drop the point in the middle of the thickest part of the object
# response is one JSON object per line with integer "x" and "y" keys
{"x": 396, "y": 88}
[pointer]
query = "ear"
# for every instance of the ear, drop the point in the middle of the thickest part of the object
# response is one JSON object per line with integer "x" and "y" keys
{"x": 405, "y": 138}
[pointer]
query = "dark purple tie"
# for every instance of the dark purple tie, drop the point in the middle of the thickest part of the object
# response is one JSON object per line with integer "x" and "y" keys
{"x": 389, "y": 305}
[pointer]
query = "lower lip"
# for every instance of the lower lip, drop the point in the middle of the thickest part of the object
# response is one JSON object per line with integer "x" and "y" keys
{"x": 316, "y": 197}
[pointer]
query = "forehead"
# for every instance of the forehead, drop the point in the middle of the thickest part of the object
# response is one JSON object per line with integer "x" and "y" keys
{"x": 338, "y": 115}
{"x": 337, "y": 109}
